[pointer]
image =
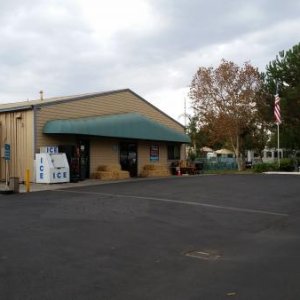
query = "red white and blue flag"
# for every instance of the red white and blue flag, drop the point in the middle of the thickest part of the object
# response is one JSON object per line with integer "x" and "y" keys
{"x": 277, "y": 110}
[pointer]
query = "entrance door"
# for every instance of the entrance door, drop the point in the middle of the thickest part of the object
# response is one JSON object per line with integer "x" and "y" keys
{"x": 128, "y": 158}
{"x": 84, "y": 162}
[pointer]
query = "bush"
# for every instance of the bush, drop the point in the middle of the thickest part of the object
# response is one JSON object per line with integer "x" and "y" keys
{"x": 265, "y": 167}
{"x": 286, "y": 165}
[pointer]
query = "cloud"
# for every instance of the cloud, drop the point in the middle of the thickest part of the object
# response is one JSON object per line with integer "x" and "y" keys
{"x": 153, "y": 47}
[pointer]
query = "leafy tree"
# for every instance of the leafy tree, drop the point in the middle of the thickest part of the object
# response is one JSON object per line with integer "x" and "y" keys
{"x": 224, "y": 100}
{"x": 201, "y": 137}
{"x": 258, "y": 134}
{"x": 284, "y": 71}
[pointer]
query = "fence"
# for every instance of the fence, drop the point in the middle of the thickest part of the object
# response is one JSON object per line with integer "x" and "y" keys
{"x": 218, "y": 163}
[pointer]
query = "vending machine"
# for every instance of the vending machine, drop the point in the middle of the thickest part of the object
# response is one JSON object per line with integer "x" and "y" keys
{"x": 51, "y": 166}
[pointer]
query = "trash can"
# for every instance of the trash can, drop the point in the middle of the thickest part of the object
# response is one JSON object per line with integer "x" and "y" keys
{"x": 14, "y": 184}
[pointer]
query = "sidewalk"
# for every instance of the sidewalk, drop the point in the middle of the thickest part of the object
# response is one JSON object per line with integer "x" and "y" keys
{"x": 36, "y": 187}
{"x": 282, "y": 173}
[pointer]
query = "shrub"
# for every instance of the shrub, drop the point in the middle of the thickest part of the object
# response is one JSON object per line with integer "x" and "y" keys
{"x": 265, "y": 167}
{"x": 286, "y": 165}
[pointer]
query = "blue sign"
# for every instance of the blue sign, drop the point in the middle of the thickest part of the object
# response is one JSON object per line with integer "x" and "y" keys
{"x": 7, "y": 151}
{"x": 154, "y": 153}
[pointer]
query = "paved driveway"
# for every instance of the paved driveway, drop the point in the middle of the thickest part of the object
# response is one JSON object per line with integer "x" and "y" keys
{"x": 202, "y": 237}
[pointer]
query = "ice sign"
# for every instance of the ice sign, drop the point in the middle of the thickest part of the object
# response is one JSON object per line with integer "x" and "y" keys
{"x": 49, "y": 149}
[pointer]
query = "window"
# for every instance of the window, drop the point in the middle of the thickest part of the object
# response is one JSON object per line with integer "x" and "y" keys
{"x": 173, "y": 152}
{"x": 276, "y": 154}
{"x": 269, "y": 154}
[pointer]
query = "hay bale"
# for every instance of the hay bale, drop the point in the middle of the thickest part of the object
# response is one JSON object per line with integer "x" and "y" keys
{"x": 109, "y": 168}
{"x": 159, "y": 171}
{"x": 104, "y": 175}
{"x": 154, "y": 167}
{"x": 122, "y": 175}
{"x": 111, "y": 175}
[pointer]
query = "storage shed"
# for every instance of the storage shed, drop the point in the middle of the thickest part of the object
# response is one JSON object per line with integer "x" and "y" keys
{"x": 115, "y": 127}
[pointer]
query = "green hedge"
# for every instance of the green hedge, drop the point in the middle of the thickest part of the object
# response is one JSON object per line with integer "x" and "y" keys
{"x": 286, "y": 165}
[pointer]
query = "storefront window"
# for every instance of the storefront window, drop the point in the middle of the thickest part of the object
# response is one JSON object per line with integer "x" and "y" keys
{"x": 173, "y": 152}
{"x": 269, "y": 154}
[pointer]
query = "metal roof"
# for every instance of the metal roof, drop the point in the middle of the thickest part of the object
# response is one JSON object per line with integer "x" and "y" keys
{"x": 129, "y": 125}
{"x": 53, "y": 100}
{"x": 31, "y": 104}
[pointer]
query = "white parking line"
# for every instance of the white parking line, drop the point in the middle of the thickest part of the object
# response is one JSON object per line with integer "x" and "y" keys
{"x": 231, "y": 208}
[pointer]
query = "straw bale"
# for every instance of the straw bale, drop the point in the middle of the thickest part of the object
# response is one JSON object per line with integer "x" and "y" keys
{"x": 104, "y": 175}
{"x": 109, "y": 168}
{"x": 155, "y": 167}
{"x": 156, "y": 173}
{"x": 122, "y": 175}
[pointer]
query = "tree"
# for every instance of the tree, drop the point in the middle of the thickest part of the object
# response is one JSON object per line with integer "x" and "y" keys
{"x": 286, "y": 69}
{"x": 224, "y": 99}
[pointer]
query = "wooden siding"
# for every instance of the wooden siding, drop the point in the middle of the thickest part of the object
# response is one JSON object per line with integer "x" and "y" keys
{"x": 144, "y": 154}
{"x": 16, "y": 129}
{"x": 115, "y": 103}
{"x": 103, "y": 152}
{"x": 106, "y": 152}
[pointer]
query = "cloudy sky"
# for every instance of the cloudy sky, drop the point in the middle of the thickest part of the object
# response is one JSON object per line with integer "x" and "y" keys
{"x": 153, "y": 47}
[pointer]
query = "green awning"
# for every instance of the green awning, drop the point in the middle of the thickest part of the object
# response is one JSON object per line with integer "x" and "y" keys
{"x": 129, "y": 126}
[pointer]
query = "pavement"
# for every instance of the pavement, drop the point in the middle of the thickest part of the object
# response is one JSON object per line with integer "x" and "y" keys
{"x": 178, "y": 238}
{"x": 36, "y": 187}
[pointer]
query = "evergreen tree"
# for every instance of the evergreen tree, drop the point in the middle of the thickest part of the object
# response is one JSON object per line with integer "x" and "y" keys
{"x": 284, "y": 71}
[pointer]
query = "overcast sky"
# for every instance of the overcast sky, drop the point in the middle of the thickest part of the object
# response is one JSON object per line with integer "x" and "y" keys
{"x": 153, "y": 47}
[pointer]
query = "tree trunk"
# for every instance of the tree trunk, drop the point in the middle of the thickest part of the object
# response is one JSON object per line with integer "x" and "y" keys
{"x": 238, "y": 158}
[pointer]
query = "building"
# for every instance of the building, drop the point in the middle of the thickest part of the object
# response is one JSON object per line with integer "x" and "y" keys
{"x": 268, "y": 155}
{"x": 92, "y": 129}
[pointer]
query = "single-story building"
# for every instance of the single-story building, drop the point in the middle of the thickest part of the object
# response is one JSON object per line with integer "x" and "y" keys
{"x": 115, "y": 127}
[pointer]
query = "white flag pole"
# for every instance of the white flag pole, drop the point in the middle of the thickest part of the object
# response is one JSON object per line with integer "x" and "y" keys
{"x": 278, "y": 141}
{"x": 278, "y": 145}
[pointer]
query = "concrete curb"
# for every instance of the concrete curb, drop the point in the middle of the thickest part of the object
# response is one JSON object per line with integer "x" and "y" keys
{"x": 282, "y": 173}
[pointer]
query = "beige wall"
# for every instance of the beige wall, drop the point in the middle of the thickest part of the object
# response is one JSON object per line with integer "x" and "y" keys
{"x": 16, "y": 129}
{"x": 103, "y": 152}
{"x": 106, "y": 152}
{"x": 115, "y": 103}
{"x": 144, "y": 154}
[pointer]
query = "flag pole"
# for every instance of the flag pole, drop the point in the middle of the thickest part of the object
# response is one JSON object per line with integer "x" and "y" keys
{"x": 278, "y": 122}
{"x": 278, "y": 145}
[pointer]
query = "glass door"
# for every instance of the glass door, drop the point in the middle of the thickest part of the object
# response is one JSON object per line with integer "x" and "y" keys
{"x": 84, "y": 158}
{"x": 128, "y": 158}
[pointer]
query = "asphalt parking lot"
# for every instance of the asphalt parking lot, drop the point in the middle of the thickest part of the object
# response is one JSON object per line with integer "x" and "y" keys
{"x": 201, "y": 237}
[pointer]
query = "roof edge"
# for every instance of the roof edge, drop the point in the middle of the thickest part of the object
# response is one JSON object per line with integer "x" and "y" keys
{"x": 80, "y": 97}
{"x": 23, "y": 105}
{"x": 156, "y": 108}
{"x": 19, "y": 108}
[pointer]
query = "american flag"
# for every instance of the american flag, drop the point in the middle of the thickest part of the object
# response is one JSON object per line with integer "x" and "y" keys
{"x": 277, "y": 109}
